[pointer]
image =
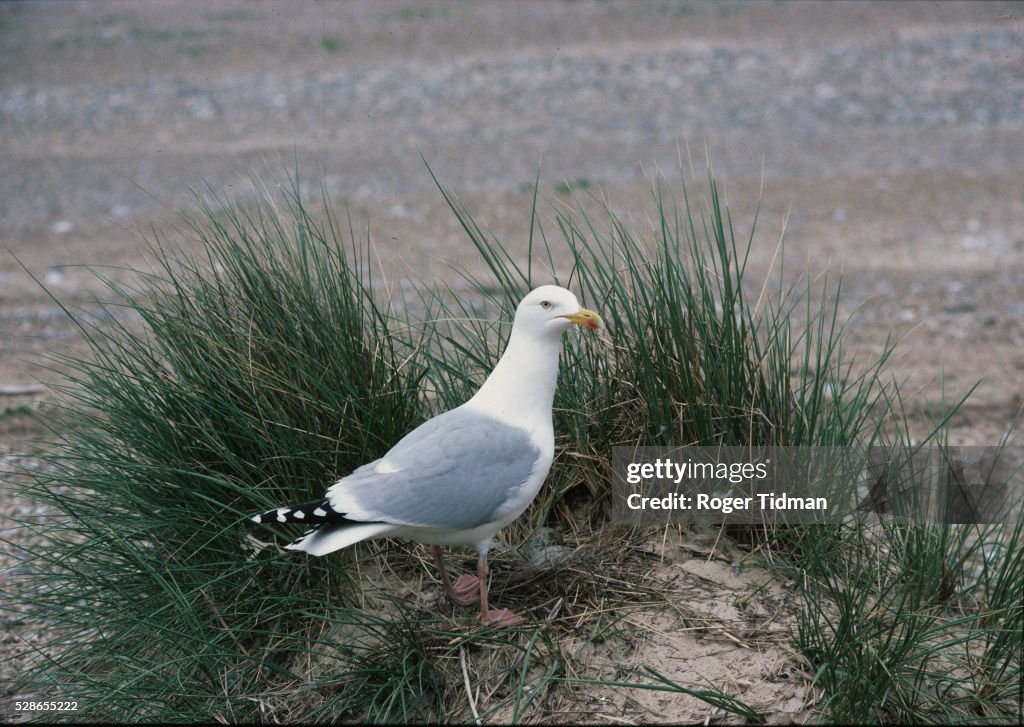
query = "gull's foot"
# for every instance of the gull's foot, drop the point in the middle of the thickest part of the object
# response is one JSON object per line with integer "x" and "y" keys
{"x": 465, "y": 591}
{"x": 502, "y": 618}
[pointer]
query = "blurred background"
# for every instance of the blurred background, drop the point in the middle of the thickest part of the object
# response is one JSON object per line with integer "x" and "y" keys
{"x": 886, "y": 139}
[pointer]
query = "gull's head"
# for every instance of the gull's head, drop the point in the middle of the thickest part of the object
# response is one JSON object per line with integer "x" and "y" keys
{"x": 550, "y": 310}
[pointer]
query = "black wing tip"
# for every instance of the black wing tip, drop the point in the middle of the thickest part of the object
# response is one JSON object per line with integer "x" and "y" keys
{"x": 315, "y": 512}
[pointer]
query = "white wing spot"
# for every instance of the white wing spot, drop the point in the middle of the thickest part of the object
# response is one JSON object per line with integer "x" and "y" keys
{"x": 299, "y": 515}
{"x": 320, "y": 512}
{"x": 385, "y": 468}
{"x": 281, "y": 518}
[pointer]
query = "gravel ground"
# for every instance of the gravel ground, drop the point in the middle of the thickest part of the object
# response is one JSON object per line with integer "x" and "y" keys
{"x": 889, "y": 136}
{"x": 869, "y": 104}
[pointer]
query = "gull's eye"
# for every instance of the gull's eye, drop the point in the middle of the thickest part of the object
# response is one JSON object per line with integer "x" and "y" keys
{"x": 545, "y": 304}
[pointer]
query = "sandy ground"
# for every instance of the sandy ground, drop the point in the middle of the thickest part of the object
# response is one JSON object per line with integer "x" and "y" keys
{"x": 887, "y": 138}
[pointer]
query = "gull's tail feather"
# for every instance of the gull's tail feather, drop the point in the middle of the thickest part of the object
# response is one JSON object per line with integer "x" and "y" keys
{"x": 331, "y": 529}
{"x": 322, "y": 540}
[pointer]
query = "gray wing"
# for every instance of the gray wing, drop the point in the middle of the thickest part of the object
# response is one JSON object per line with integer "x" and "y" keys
{"x": 453, "y": 471}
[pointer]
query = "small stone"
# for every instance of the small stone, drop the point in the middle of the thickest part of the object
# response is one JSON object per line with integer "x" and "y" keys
{"x": 960, "y": 306}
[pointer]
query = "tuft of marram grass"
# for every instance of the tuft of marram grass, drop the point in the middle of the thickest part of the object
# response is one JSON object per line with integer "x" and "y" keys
{"x": 267, "y": 366}
{"x": 696, "y": 354}
{"x": 265, "y": 369}
{"x": 910, "y": 622}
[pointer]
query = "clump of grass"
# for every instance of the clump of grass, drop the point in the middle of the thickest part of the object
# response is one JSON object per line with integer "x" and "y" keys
{"x": 267, "y": 366}
{"x": 898, "y": 626}
{"x": 332, "y": 44}
{"x": 702, "y": 357}
{"x": 263, "y": 370}
{"x": 904, "y": 619}
{"x": 697, "y": 355}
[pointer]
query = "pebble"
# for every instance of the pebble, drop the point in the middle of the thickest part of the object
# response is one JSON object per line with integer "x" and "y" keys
{"x": 544, "y": 546}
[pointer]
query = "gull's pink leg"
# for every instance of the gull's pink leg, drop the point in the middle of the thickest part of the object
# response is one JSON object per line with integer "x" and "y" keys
{"x": 465, "y": 591}
{"x": 496, "y": 617}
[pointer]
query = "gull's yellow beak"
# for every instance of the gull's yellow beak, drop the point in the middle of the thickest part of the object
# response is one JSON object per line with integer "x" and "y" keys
{"x": 584, "y": 317}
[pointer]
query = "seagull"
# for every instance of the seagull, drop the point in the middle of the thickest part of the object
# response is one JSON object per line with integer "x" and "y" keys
{"x": 462, "y": 476}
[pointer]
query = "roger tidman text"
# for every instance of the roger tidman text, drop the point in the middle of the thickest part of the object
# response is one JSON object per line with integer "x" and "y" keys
{"x": 725, "y": 505}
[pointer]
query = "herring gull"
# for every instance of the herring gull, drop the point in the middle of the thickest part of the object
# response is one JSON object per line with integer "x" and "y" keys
{"x": 462, "y": 476}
